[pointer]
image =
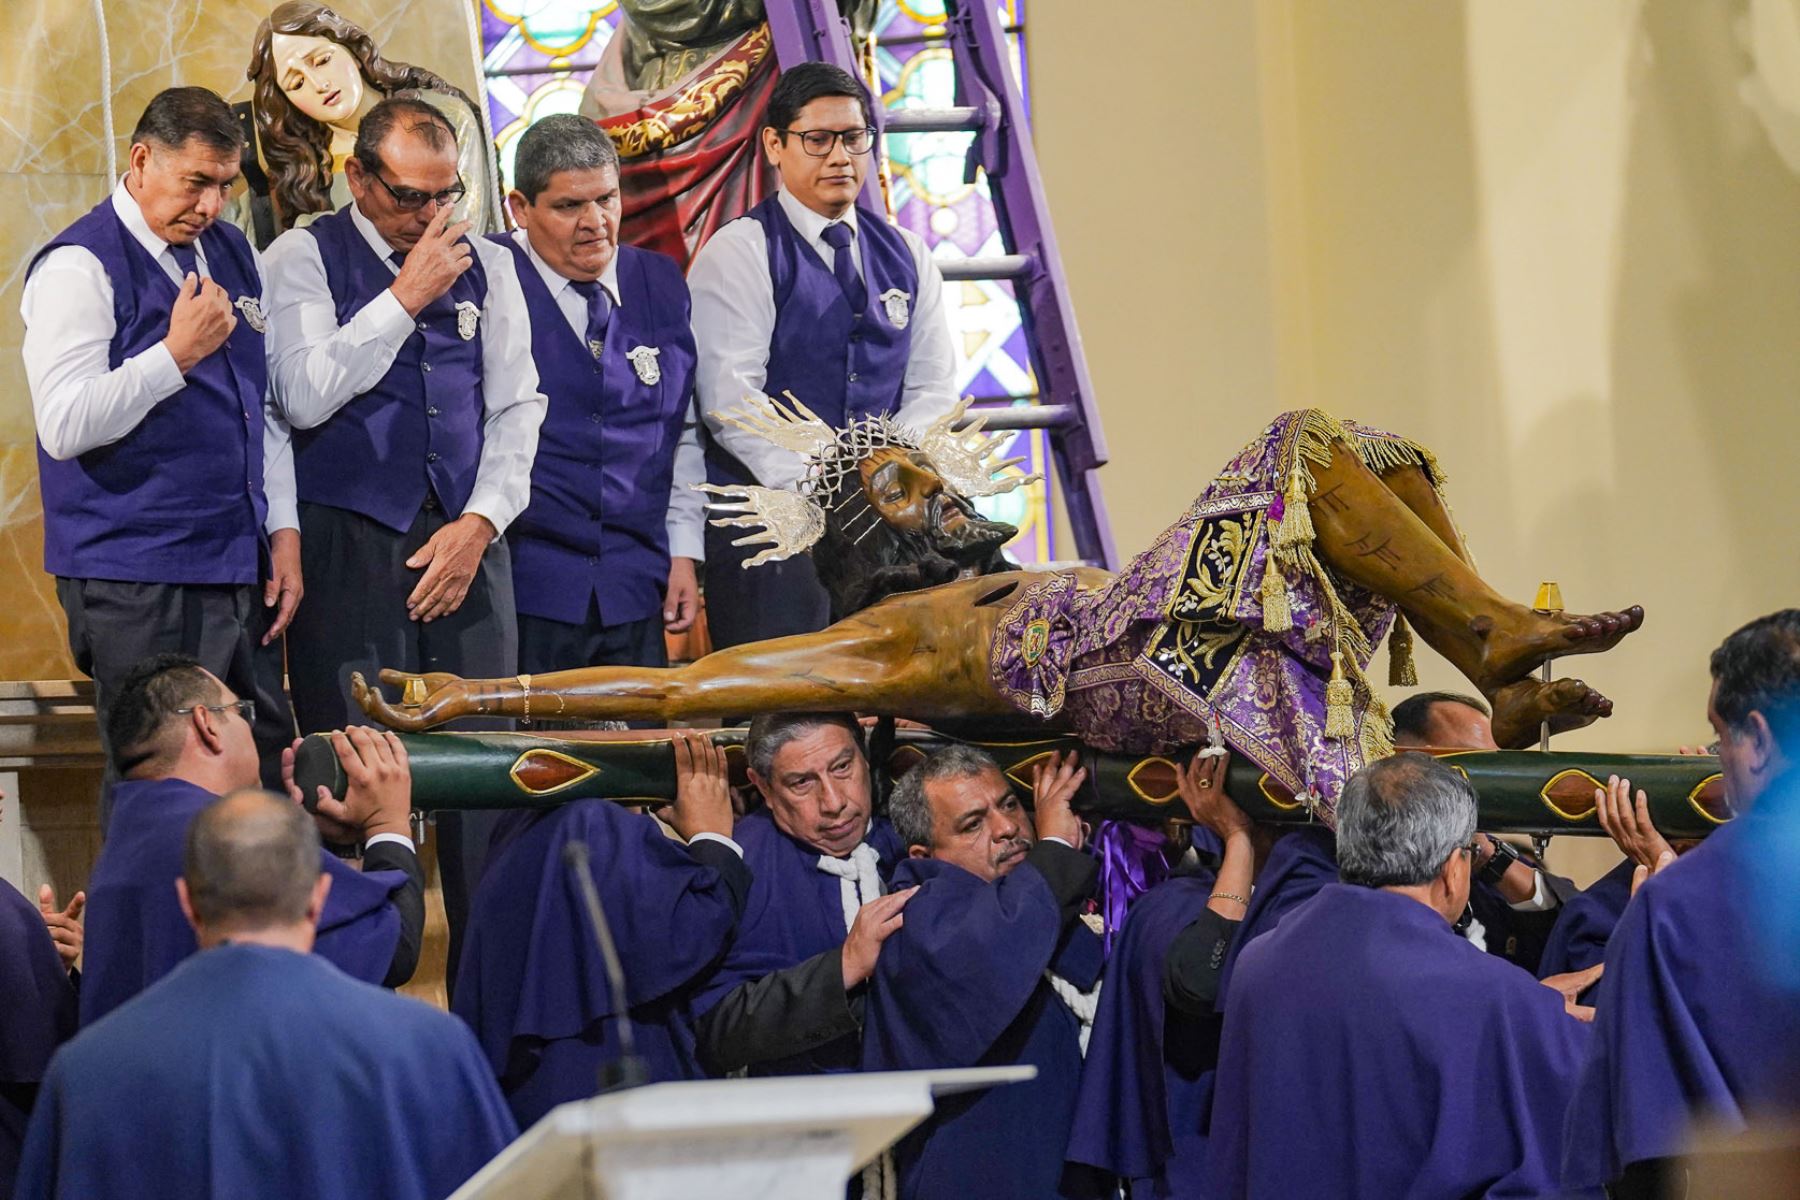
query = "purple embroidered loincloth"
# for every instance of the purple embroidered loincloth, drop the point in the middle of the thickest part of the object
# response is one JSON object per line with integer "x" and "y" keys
{"x": 1145, "y": 663}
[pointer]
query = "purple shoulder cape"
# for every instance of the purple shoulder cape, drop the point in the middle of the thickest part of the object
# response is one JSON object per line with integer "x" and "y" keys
{"x": 1139, "y": 1111}
{"x": 1689, "y": 1026}
{"x": 532, "y": 984}
{"x": 1401, "y": 1061}
{"x": 136, "y": 933}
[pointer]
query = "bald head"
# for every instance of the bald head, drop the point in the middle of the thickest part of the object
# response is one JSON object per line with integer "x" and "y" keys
{"x": 252, "y": 865}
{"x": 1443, "y": 721}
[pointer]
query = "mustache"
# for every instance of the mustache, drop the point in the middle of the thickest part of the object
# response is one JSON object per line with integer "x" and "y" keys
{"x": 975, "y": 533}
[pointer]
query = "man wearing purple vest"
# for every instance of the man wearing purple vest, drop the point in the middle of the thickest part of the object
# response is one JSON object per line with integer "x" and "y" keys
{"x": 809, "y": 296}
{"x": 402, "y": 357}
{"x": 604, "y": 555}
{"x": 167, "y": 480}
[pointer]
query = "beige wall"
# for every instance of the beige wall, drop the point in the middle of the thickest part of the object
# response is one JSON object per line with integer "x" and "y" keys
{"x": 1550, "y": 240}
{"x": 53, "y": 168}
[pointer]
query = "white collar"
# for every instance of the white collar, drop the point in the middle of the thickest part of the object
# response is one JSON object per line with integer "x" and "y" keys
{"x": 372, "y": 236}
{"x": 132, "y": 216}
{"x": 609, "y": 278}
{"x": 812, "y": 225}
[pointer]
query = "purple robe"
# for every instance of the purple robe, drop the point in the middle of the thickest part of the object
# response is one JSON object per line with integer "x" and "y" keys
{"x": 1689, "y": 1026}
{"x": 256, "y": 1071}
{"x": 136, "y": 932}
{"x": 794, "y": 911}
{"x": 1148, "y": 1073}
{"x": 38, "y": 1015}
{"x": 1299, "y": 865}
{"x": 1371, "y": 1052}
{"x": 1578, "y": 940}
{"x": 961, "y": 984}
{"x": 532, "y": 984}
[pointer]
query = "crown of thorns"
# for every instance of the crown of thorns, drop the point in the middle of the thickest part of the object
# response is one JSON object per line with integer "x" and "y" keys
{"x": 788, "y": 522}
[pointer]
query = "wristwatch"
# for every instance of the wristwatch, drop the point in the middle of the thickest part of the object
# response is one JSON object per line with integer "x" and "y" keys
{"x": 1499, "y": 862}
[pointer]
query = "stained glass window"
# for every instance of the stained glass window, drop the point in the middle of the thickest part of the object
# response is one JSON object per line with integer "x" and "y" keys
{"x": 539, "y": 54}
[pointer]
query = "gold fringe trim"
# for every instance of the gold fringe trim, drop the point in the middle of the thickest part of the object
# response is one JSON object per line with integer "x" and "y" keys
{"x": 1377, "y": 731}
{"x": 1295, "y": 527}
{"x": 1277, "y": 614}
{"x": 1339, "y": 697}
{"x": 1402, "y": 669}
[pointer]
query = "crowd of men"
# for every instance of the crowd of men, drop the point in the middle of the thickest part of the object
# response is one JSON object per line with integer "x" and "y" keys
{"x": 400, "y": 447}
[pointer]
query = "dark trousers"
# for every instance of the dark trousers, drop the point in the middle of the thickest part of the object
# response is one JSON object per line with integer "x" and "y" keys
{"x": 546, "y": 645}
{"x": 113, "y": 626}
{"x": 751, "y": 604}
{"x": 354, "y": 619}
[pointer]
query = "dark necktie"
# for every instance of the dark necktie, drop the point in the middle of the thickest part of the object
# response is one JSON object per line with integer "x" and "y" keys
{"x": 599, "y": 311}
{"x": 838, "y": 236}
{"x": 186, "y": 260}
{"x": 398, "y": 258}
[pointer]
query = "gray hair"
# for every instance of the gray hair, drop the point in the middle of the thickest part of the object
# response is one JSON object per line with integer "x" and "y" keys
{"x": 771, "y": 731}
{"x": 564, "y": 142}
{"x": 251, "y": 862}
{"x": 1400, "y": 818}
{"x": 403, "y": 110}
{"x": 910, "y": 809}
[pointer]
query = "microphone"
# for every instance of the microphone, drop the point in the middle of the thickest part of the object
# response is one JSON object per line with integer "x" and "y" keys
{"x": 628, "y": 1070}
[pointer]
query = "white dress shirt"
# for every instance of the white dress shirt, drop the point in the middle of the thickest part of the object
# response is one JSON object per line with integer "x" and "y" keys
{"x": 686, "y": 522}
{"x": 734, "y": 323}
{"x": 79, "y": 400}
{"x": 319, "y": 366}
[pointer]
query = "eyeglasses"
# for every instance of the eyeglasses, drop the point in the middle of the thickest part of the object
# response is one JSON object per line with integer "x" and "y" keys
{"x": 1473, "y": 849}
{"x": 246, "y": 707}
{"x": 818, "y": 142}
{"x": 412, "y": 199}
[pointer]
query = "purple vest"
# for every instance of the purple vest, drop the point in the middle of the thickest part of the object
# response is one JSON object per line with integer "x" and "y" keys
{"x": 840, "y": 364}
{"x": 597, "y": 522}
{"x": 420, "y": 426}
{"x": 179, "y": 499}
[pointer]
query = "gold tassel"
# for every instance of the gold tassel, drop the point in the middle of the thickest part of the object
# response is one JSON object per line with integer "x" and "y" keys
{"x": 1402, "y": 671}
{"x": 1377, "y": 731}
{"x": 1339, "y": 723}
{"x": 1277, "y": 615}
{"x": 1295, "y": 527}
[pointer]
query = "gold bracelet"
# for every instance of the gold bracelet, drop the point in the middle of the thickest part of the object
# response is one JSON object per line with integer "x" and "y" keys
{"x": 1229, "y": 896}
{"x": 525, "y": 682}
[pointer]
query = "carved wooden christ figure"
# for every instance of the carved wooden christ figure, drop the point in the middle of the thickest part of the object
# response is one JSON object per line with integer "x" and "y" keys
{"x": 1254, "y": 616}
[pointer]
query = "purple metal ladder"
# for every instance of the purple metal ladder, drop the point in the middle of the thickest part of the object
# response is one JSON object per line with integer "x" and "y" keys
{"x": 990, "y": 106}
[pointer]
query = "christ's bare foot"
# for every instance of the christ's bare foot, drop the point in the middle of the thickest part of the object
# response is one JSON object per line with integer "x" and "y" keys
{"x": 1521, "y": 709}
{"x": 1514, "y": 647}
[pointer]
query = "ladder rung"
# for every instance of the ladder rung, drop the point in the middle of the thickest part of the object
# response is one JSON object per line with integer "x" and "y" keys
{"x": 999, "y": 266}
{"x": 1034, "y": 416}
{"x": 933, "y": 120}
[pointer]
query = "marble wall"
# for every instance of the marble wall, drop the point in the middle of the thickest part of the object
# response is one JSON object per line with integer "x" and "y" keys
{"x": 53, "y": 167}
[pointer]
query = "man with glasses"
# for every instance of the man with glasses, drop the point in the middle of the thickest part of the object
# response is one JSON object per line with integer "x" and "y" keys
{"x": 809, "y": 296}
{"x": 402, "y": 357}
{"x": 1368, "y": 1051}
{"x": 180, "y": 739}
{"x": 167, "y": 478}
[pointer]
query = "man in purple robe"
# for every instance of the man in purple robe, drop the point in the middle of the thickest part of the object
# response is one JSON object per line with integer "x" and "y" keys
{"x": 788, "y": 997}
{"x": 257, "y": 1068}
{"x": 180, "y": 738}
{"x": 1691, "y": 1029}
{"x": 534, "y": 986}
{"x": 39, "y": 945}
{"x": 992, "y": 966}
{"x": 1370, "y": 1052}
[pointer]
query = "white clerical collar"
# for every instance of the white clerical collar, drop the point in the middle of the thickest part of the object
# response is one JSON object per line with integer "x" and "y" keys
{"x": 556, "y": 282}
{"x": 132, "y": 217}
{"x": 811, "y": 224}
